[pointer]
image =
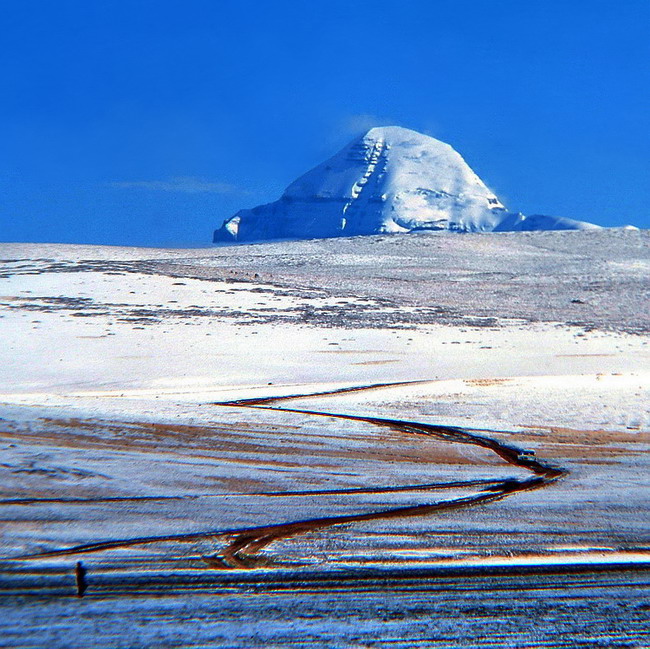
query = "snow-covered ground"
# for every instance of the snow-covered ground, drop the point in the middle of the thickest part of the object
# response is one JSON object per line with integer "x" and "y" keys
{"x": 119, "y": 368}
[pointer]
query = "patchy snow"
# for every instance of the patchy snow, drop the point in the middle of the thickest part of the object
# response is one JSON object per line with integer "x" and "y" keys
{"x": 115, "y": 364}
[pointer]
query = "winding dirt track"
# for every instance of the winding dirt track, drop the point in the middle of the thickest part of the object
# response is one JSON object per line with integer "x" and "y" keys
{"x": 244, "y": 543}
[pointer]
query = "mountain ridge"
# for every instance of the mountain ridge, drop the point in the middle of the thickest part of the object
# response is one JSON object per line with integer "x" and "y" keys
{"x": 390, "y": 180}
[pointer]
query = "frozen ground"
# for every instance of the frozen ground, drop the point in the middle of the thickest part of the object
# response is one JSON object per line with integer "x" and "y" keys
{"x": 128, "y": 444}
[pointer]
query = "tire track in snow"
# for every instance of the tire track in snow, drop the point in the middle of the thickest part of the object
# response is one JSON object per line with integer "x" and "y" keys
{"x": 242, "y": 549}
{"x": 433, "y": 486}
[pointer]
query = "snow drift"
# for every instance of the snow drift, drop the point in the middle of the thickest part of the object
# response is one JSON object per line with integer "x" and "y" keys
{"x": 391, "y": 179}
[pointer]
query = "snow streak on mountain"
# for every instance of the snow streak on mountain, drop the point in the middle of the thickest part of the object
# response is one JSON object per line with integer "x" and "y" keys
{"x": 390, "y": 180}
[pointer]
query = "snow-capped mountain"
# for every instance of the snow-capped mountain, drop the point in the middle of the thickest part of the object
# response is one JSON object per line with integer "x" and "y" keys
{"x": 391, "y": 179}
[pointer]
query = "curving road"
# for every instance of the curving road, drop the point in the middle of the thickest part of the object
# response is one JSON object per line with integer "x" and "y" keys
{"x": 245, "y": 543}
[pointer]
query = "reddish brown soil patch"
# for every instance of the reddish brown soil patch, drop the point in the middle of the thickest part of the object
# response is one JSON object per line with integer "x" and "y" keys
{"x": 484, "y": 383}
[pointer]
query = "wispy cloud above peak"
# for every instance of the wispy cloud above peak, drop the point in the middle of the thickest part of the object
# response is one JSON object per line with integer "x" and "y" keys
{"x": 181, "y": 184}
{"x": 354, "y": 124}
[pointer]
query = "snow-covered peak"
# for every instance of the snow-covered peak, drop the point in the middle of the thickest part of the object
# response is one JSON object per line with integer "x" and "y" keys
{"x": 391, "y": 179}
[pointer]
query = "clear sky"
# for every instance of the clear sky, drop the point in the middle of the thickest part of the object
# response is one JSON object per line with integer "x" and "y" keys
{"x": 147, "y": 122}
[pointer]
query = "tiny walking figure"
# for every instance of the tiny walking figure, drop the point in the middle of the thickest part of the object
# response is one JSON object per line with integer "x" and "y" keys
{"x": 80, "y": 573}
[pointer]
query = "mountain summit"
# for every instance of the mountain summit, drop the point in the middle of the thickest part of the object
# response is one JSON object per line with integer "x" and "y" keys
{"x": 391, "y": 179}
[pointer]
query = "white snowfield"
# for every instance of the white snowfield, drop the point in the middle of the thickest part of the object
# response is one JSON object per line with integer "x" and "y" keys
{"x": 125, "y": 443}
{"x": 392, "y": 179}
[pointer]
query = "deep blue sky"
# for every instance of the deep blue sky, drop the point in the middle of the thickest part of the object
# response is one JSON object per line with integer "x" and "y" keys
{"x": 147, "y": 122}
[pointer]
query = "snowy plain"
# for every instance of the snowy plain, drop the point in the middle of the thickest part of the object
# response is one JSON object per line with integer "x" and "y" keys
{"x": 120, "y": 371}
